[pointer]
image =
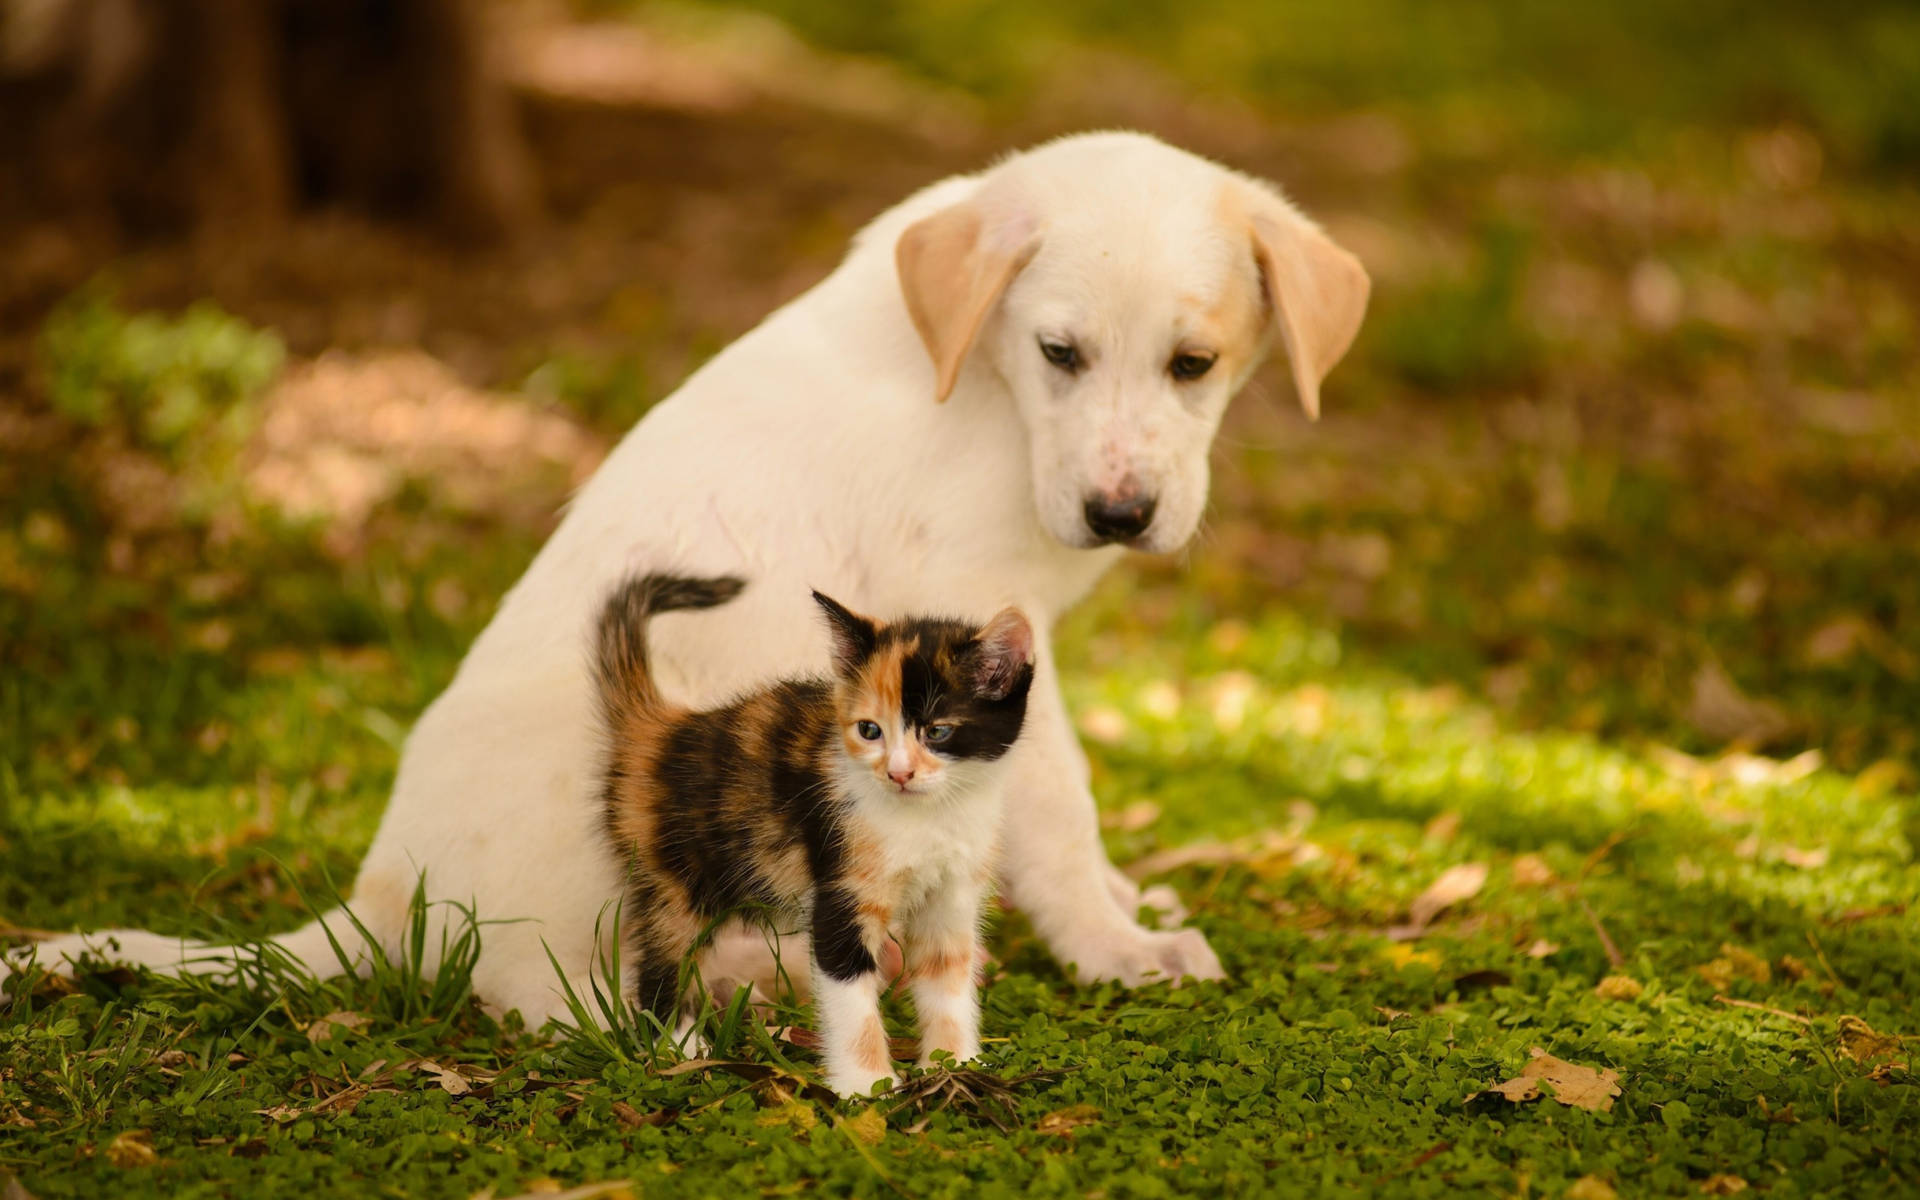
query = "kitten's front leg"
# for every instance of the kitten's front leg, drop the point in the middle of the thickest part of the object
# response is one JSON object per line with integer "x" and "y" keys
{"x": 942, "y": 944}
{"x": 846, "y": 991}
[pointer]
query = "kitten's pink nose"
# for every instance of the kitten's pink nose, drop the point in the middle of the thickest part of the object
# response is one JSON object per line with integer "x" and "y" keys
{"x": 903, "y": 778}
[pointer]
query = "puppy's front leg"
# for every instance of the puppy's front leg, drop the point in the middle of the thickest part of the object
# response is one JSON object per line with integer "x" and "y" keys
{"x": 1054, "y": 868}
{"x": 941, "y": 948}
{"x": 846, "y": 992}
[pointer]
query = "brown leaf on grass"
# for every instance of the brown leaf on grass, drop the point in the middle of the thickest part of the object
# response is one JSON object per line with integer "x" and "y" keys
{"x": 1570, "y": 1083}
{"x": 549, "y": 1189}
{"x": 1455, "y": 884}
{"x": 1443, "y": 828}
{"x": 1721, "y": 711}
{"x": 632, "y": 1118}
{"x": 132, "y": 1148}
{"x": 449, "y": 1078}
{"x": 1063, "y": 1121}
{"x": 1590, "y": 1187}
{"x": 323, "y": 1029}
{"x": 1542, "y": 948}
{"x": 1735, "y": 963}
{"x": 1133, "y": 818}
{"x": 1105, "y": 724}
{"x": 1267, "y": 851}
{"x": 1806, "y": 860}
{"x": 757, "y": 1073}
{"x": 1531, "y": 871}
{"x": 1859, "y": 1042}
{"x": 1722, "y": 1185}
{"x": 1619, "y": 987}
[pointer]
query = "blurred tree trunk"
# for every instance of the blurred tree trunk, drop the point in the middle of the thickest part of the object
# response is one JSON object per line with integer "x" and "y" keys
{"x": 223, "y": 114}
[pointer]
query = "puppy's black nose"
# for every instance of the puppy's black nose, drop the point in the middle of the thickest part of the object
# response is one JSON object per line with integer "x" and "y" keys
{"x": 1118, "y": 518}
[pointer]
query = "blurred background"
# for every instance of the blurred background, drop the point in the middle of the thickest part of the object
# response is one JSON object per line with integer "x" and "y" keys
{"x": 313, "y": 311}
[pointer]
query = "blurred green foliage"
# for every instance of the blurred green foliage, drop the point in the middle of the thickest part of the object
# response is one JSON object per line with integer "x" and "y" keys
{"x": 164, "y": 380}
{"x": 1560, "y": 78}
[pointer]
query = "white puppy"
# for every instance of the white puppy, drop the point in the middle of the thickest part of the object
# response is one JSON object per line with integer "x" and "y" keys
{"x": 1012, "y": 377}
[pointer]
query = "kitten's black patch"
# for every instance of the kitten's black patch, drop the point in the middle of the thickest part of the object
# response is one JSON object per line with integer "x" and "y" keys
{"x": 839, "y": 939}
{"x": 940, "y": 682}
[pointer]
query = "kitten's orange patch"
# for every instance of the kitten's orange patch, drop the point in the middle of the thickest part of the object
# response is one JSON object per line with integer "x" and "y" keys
{"x": 878, "y": 687}
{"x": 870, "y": 1048}
{"x": 944, "y": 962}
{"x": 866, "y": 865}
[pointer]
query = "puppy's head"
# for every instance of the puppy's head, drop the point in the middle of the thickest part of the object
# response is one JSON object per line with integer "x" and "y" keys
{"x": 1122, "y": 291}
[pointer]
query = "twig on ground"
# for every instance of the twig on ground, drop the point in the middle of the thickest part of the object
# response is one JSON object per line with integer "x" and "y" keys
{"x": 1778, "y": 1012}
{"x": 1614, "y": 957}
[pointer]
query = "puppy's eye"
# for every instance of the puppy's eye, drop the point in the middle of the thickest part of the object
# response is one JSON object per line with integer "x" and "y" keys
{"x": 1064, "y": 355}
{"x": 938, "y": 733}
{"x": 1186, "y": 367}
{"x": 868, "y": 730}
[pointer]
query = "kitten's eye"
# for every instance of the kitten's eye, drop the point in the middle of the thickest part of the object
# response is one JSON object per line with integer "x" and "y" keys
{"x": 1064, "y": 355}
{"x": 938, "y": 733}
{"x": 1188, "y": 367}
{"x": 868, "y": 730}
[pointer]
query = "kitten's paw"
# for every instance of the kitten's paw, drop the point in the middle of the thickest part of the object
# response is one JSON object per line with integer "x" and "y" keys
{"x": 960, "y": 1056}
{"x": 1134, "y": 956}
{"x": 854, "y": 1085}
{"x": 687, "y": 1041}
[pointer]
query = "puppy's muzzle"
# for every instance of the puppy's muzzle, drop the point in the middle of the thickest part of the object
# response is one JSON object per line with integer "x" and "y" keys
{"x": 1118, "y": 517}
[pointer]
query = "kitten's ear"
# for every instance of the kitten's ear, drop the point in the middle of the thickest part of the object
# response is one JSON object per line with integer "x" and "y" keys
{"x": 1003, "y": 654}
{"x": 854, "y": 636}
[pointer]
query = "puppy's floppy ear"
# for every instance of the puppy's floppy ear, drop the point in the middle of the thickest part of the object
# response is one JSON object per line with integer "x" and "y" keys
{"x": 1003, "y": 653}
{"x": 1315, "y": 291}
{"x": 854, "y": 636}
{"x": 954, "y": 266}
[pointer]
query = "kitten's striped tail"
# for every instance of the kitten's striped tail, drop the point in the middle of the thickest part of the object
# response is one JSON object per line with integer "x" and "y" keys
{"x": 620, "y": 664}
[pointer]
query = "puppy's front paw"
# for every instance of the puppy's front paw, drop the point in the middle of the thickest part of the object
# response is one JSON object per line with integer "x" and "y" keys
{"x": 1136, "y": 956}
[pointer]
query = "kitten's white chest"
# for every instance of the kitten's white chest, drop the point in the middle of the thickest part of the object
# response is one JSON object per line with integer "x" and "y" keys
{"x": 923, "y": 847}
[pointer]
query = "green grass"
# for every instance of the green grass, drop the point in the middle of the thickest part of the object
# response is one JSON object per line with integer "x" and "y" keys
{"x": 1335, "y": 1058}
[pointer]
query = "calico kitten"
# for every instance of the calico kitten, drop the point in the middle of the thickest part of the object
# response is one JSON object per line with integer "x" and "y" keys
{"x": 864, "y": 806}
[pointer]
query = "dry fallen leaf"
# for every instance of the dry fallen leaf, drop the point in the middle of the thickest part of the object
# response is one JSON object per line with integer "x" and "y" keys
{"x": 1133, "y": 818}
{"x": 1542, "y": 948}
{"x": 1590, "y": 1187}
{"x": 323, "y": 1029}
{"x": 549, "y": 1189}
{"x": 132, "y": 1148}
{"x": 1443, "y": 828}
{"x": 1722, "y": 1185}
{"x": 1735, "y": 963}
{"x": 1618, "y": 987}
{"x": 1721, "y": 711}
{"x": 1571, "y": 1083}
{"x": 1062, "y": 1122}
{"x": 1860, "y": 1043}
{"x": 451, "y": 1080}
{"x": 1104, "y": 724}
{"x": 1532, "y": 871}
{"x": 1454, "y": 885}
